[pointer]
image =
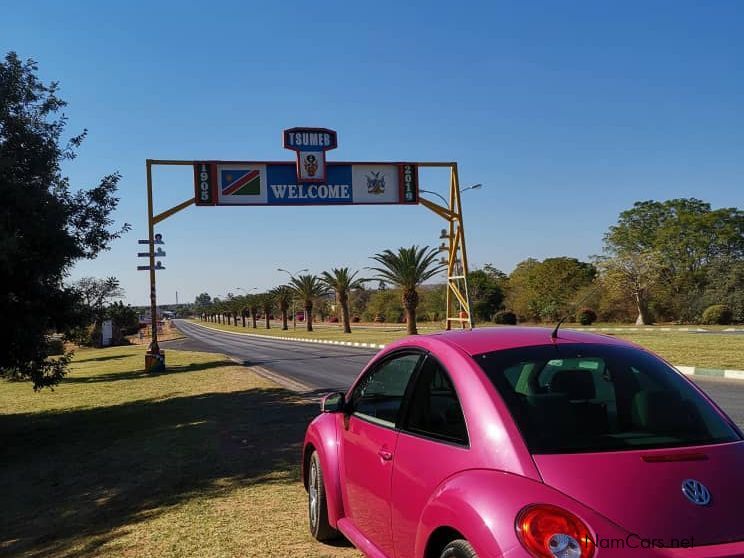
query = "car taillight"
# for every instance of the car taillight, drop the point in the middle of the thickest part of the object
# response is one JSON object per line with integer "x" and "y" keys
{"x": 551, "y": 532}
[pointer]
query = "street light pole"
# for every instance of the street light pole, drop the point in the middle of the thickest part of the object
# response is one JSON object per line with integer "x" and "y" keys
{"x": 441, "y": 197}
{"x": 291, "y": 276}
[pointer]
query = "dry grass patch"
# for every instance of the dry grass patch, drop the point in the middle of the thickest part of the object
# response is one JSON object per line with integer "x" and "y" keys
{"x": 198, "y": 461}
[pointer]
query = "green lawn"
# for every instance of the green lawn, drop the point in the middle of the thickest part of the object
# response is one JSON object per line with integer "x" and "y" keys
{"x": 199, "y": 461}
{"x": 678, "y": 347}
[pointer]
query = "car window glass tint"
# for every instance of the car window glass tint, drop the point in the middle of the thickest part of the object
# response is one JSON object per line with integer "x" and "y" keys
{"x": 595, "y": 397}
{"x": 434, "y": 410}
{"x": 380, "y": 393}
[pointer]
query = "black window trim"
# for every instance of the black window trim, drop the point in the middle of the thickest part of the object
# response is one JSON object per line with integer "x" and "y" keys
{"x": 403, "y": 415}
{"x": 403, "y": 351}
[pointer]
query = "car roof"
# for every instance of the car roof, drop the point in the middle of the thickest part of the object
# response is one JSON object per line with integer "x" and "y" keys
{"x": 487, "y": 339}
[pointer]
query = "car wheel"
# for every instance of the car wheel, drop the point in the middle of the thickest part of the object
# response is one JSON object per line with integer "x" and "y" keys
{"x": 317, "y": 507}
{"x": 459, "y": 548}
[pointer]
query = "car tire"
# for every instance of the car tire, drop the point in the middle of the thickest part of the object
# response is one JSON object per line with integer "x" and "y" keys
{"x": 459, "y": 548}
{"x": 317, "y": 506}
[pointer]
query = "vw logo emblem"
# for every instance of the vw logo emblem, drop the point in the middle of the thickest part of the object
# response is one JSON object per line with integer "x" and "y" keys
{"x": 696, "y": 492}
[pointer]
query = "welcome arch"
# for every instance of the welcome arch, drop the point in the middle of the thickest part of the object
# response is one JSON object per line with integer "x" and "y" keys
{"x": 311, "y": 180}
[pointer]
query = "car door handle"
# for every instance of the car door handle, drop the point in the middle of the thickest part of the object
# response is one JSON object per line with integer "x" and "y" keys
{"x": 385, "y": 455}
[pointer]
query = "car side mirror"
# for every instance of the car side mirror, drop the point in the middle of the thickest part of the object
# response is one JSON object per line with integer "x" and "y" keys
{"x": 332, "y": 403}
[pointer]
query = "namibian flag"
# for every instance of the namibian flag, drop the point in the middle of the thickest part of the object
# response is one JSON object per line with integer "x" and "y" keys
{"x": 240, "y": 182}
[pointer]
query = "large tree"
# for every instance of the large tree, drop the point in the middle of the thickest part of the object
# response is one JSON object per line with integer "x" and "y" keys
{"x": 547, "y": 290}
{"x": 689, "y": 237}
{"x": 635, "y": 275}
{"x": 45, "y": 225}
{"x": 407, "y": 270}
{"x": 343, "y": 281}
{"x": 486, "y": 292}
{"x": 308, "y": 288}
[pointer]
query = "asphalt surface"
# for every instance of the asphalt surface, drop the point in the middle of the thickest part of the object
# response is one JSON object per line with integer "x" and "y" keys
{"x": 327, "y": 367}
{"x": 333, "y": 367}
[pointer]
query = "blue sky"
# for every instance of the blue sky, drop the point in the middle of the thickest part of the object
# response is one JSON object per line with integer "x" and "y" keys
{"x": 567, "y": 112}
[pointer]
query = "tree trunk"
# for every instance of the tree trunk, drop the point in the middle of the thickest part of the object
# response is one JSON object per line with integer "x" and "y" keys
{"x": 642, "y": 306}
{"x": 309, "y": 315}
{"x": 268, "y": 322}
{"x": 410, "y": 302}
{"x": 242, "y": 316}
{"x": 284, "y": 319}
{"x": 253, "y": 318}
{"x": 343, "y": 299}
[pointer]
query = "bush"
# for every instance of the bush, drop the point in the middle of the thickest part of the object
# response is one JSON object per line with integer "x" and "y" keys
{"x": 586, "y": 316}
{"x": 505, "y": 317}
{"x": 718, "y": 314}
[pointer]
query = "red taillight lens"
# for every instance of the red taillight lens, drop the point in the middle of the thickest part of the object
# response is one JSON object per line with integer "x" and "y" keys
{"x": 551, "y": 532}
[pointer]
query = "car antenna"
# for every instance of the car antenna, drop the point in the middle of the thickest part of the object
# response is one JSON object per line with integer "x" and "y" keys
{"x": 554, "y": 334}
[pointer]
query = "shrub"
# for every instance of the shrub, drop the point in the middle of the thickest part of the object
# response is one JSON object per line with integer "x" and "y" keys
{"x": 505, "y": 317}
{"x": 718, "y": 314}
{"x": 586, "y": 316}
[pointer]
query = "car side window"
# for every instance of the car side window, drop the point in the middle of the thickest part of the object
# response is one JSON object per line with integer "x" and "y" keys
{"x": 434, "y": 410}
{"x": 379, "y": 395}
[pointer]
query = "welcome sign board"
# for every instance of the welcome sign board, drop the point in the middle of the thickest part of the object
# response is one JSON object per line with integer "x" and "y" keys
{"x": 311, "y": 181}
{"x": 266, "y": 183}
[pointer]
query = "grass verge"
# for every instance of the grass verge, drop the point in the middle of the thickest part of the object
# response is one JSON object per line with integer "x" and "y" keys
{"x": 201, "y": 460}
{"x": 708, "y": 350}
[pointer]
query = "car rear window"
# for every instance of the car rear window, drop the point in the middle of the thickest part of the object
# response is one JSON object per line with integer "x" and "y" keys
{"x": 568, "y": 398}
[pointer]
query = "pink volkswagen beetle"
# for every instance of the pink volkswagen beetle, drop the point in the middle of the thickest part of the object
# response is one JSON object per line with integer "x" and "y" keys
{"x": 508, "y": 442}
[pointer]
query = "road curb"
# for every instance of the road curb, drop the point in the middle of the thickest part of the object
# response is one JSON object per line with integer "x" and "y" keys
{"x": 698, "y": 371}
{"x": 659, "y": 329}
{"x": 299, "y": 339}
{"x": 711, "y": 372}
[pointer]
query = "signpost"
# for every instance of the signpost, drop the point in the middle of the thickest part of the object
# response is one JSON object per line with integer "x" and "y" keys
{"x": 312, "y": 180}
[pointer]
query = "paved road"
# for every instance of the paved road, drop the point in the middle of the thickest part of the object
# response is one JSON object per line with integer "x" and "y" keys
{"x": 331, "y": 367}
{"x": 328, "y": 367}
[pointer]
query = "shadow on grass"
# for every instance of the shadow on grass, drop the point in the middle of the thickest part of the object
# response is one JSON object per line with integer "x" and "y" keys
{"x": 71, "y": 478}
{"x": 101, "y": 358}
{"x": 141, "y": 374}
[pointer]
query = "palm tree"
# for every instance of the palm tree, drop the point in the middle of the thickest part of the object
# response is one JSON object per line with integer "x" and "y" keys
{"x": 342, "y": 281}
{"x": 408, "y": 269}
{"x": 266, "y": 302}
{"x": 283, "y": 296}
{"x": 251, "y": 305}
{"x": 308, "y": 288}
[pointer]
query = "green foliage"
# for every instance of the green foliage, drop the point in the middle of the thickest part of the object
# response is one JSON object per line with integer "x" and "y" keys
{"x": 688, "y": 238}
{"x": 432, "y": 302}
{"x": 486, "y": 292}
{"x": 586, "y": 316}
{"x": 545, "y": 291}
{"x": 385, "y": 305}
{"x": 45, "y": 226}
{"x": 342, "y": 281}
{"x": 718, "y": 314}
{"x": 725, "y": 285}
{"x": 505, "y": 317}
{"x": 125, "y": 319}
{"x": 409, "y": 268}
{"x": 308, "y": 288}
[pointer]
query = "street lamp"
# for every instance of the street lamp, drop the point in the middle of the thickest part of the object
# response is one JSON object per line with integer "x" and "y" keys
{"x": 441, "y": 197}
{"x": 291, "y": 276}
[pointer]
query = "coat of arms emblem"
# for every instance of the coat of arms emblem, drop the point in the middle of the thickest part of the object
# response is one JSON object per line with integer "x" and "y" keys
{"x": 376, "y": 183}
{"x": 311, "y": 165}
